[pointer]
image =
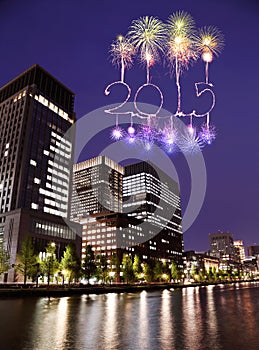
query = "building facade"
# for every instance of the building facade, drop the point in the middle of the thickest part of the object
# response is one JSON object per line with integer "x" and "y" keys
{"x": 127, "y": 209}
{"x": 239, "y": 250}
{"x": 36, "y": 111}
{"x": 151, "y": 196}
{"x": 253, "y": 250}
{"x": 222, "y": 245}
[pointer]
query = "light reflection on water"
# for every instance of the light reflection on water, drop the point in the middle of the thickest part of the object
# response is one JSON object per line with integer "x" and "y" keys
{"x": 213, "y": 318}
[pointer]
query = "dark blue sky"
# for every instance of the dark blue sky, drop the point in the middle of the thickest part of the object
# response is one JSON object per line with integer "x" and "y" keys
{"x": 71, "y": 40}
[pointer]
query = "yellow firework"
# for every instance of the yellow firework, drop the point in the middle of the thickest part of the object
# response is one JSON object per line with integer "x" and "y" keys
{"x": 180, "y": 44}
{"x": 122, "y": 49}
{"x": 209, "y": 41}
{"x": 180, "y": 24}
{"x": 148, "y": 34}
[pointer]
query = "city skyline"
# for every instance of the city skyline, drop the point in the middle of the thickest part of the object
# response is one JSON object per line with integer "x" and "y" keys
{"x": 78, "y": 56}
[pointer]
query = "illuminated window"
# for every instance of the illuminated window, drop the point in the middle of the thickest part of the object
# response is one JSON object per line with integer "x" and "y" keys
{"x": 32, "y": 162}
{"x": 36, "y": 181}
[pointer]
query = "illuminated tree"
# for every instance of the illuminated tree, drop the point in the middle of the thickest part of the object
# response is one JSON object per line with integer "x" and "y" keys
{"x": 115, "y": 268}
{"x": 49, "y": 265}
{"x": 4, "y": 258}
{"x": 27, "y": 260}
{"x": 175, "y": 272}
{"x": 102, "y": 267}
{"x": 148, "y": 270}
{"x": 137, "y": 268}
{"x": 70, "y": 263}
{"x": 89, "y": 265}
{"x": 158, "y": 270}
{"x": 127, "y": 268}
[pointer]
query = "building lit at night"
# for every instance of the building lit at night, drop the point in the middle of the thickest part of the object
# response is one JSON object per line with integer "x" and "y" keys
{"x": 127, "y": 209}
{"x": 36, "y": 111}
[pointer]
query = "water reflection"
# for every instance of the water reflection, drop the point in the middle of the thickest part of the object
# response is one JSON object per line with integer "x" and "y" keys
{"x": 215, "y": 318}
{"x": 110, "y": 338}
{"x": 192, "y": 318}
{"x": 166, "y": 321}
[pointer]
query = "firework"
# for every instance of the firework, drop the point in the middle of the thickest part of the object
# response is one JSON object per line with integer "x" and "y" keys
{"x": 209, "y": 42}
{"x": 168, "y": 138}
{"x": 147, "y": 34}
{"x": 190, "y": 142}
{"x": 122, "y": 52}
{"x": 148, "y": 136}
{"x": 131, "y": 130}
{"x": 117, "y": 133}
{"x": 180, "y": 43}
{"x": 180, "y": 47}
{"x": 207, "y": 134}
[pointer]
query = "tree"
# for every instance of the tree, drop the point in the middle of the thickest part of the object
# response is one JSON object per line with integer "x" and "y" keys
{"x": 166, "y": 271}
{"x": 148, "y": 271}
{"x": 4, "y": 258}
{"x": 158, "y": 270}
{"x": 127, "y": 268}
{"x": 102, "y": 267}
{"x": 27, "y": 260}
{"x": 194, "y": 272}
{"x": 137, "y": 268}
{"x": 49, "y": 264}
{"x": 89, "y": 266}
{"x": 70, "y": 262}
{"x": 115, "y": 267}
{"x": 175, "y": 272}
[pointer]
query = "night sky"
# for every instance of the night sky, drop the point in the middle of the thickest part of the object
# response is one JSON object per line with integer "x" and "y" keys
{"x": 71, "y": 40}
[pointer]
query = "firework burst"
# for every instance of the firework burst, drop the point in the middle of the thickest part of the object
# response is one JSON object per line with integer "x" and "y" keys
{"x": 117, "y": 133}
{"x": 190, "y": 142}
{"x": 147, "y": 34}
{"x": 180, "y": 46}
{"x": 148, "y": 136}
{"x": 209, "y": 41}
{"x": 122, "y": 52}
{"x": 207, "y": 133}
{"x": 168, "y": 138}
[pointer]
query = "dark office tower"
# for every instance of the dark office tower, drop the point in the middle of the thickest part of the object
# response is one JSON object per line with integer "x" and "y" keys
{"x": 153, "y": 197}
{"x": 35, "y": 112}
{"x": 222, "y": 245}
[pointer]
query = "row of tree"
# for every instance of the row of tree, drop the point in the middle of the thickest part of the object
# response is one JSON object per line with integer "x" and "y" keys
{"x": 117, "y": 269}
{"x": 32, "y": 266}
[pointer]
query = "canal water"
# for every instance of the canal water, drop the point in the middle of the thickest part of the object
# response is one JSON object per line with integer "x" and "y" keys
{"x": 195, "y": 318}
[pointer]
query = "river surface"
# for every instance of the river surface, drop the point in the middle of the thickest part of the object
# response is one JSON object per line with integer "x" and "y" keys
{"x": 195, "y": 318}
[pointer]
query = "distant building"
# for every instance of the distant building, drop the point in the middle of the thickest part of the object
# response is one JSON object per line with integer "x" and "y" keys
{"x": 253, "y": 250}
{"x": 127, "y": 210}
{"x": 35, "y": 112}
{"x": 201, "y": 261}
{"x": 222, "y": 245}
{"x": 240, "y": 250}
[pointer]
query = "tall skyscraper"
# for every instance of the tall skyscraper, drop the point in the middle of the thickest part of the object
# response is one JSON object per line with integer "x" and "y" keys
{"x": 97, "y": 187}
{"x": 129, "y": 209}
{"x": 36, "y": 111}
{"x": 151, "y": 196}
